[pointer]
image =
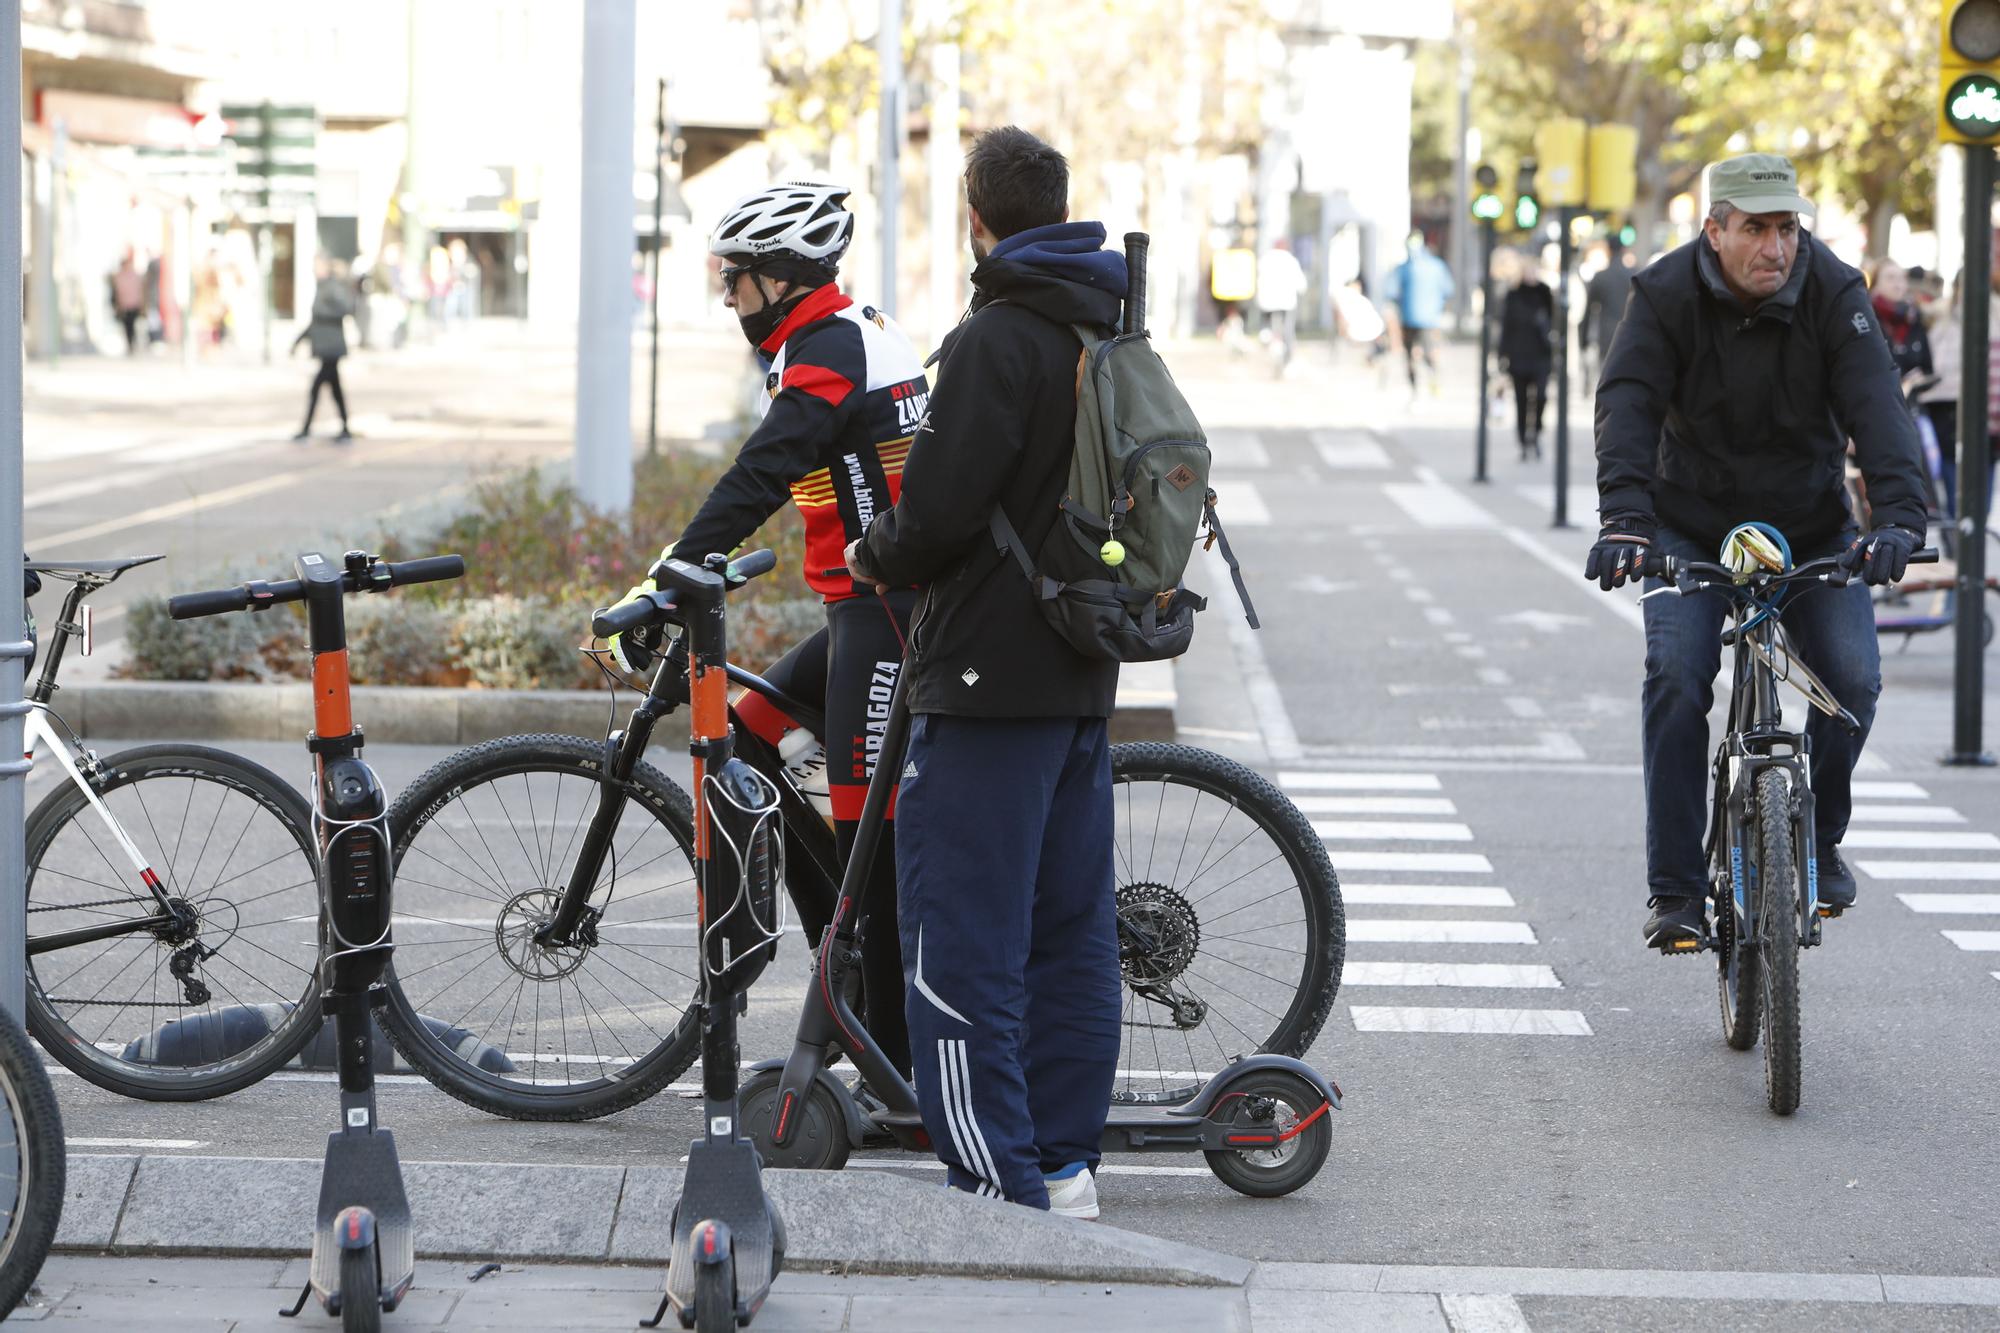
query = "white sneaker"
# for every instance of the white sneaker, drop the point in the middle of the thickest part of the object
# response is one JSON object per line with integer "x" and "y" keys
{"x": 1075, "y": 1196}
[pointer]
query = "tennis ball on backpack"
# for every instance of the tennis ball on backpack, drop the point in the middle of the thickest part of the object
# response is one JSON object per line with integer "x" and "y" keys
{"x": 1112, "y": 553}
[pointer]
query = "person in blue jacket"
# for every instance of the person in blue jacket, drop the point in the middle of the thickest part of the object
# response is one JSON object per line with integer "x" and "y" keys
{"x": 1418, "y": 290}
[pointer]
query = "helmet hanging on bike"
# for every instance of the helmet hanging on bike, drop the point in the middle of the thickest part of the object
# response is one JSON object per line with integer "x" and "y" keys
{"x": 1751, "y": 547}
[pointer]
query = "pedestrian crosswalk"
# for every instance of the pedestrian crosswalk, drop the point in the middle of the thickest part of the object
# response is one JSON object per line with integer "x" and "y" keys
{"x": 1883, "y": 819}
{"x": 1417, "y": 942}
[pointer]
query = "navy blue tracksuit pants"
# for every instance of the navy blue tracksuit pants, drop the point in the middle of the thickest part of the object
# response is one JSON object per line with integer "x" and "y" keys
{"x": 1010, "y": 945}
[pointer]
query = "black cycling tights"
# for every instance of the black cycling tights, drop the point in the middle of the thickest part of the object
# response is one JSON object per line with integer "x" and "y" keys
{"x": 849, "y": 669}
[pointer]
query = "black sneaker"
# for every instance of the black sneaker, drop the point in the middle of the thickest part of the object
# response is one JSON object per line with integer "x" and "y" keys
{"x": 1677, "y": 925}
{"x": 1836, "y": 882}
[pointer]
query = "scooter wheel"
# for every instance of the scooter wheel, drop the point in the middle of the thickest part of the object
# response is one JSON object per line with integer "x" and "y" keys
{"x": 360, "y": 1292}
{"x": 715, "y": 1296}
{"x": 1273, "y": 1100}
{"x": 819, "y": 1142}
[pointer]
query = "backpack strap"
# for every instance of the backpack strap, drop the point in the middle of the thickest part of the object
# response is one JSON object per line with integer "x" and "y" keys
{"x": 1215, "y": 534}
{"x": 1008, "y": 540}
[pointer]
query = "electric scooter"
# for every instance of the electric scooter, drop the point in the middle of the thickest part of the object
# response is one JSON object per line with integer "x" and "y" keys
{"x": 1261, "y": 1123}
{"x": 729, "y": 1240}
{"x": 364, "y": 1247}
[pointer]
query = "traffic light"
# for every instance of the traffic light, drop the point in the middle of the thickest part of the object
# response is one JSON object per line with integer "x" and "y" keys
{"x": 1614, "y": 167}
{"x": 1527, "y": 205}
{"x": 1486, "y": 204}
{"x": 1628, "y": 235}
{"x": 1969, "y": 72}
{"x": 1559, "y": 148}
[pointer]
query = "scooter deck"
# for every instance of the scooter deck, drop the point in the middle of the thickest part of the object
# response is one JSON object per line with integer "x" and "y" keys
{"x": 362, "y": 1170}
{"x": 724, "y": 1183}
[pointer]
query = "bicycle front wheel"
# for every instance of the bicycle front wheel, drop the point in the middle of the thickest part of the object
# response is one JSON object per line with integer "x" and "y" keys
{"x": 486, "y": 841}
{"x": 1778, "y": 916}
{"x": 212, "y": 992}
{"x": 1230, "y": 928}
{"x": 32, "y": 1164}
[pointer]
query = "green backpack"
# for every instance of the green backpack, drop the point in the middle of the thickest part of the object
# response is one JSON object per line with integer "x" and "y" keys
{"x": 1108, "y": 577}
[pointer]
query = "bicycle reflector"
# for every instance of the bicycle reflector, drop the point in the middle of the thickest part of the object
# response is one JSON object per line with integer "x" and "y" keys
{"x": 1750, "y": 547}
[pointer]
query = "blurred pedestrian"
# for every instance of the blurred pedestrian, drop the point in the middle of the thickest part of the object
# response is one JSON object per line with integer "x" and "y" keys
{"x": 326, "y": 334}
{"x": 1280, "y": 283}
{"x": 1896, "y": 315}
{"x": 1604, "y": 304}
{"x": 1939, "y": 401}
{"x": 128, "y": 299}
{"x": 1527, "y": 321}
{"x": 1418, "y": 289}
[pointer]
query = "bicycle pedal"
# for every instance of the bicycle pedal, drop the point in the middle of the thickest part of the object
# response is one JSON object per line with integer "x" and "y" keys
{"x": 1830, "y": 911}
{"x": 1682, "y": 945}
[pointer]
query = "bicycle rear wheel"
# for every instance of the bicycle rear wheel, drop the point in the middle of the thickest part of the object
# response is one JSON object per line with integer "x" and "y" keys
{"x": 220, "y": 995}
{"x": 1778, "y": 919}
{"x": 1230, "y": 928}
{"x": 485, "y": 843}
{"x": 32, "y": 1164}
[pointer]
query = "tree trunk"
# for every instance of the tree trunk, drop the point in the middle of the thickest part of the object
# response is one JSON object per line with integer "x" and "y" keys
{"x": 1881, "y": 214}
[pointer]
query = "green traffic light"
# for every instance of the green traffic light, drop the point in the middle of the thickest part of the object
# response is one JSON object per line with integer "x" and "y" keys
{"x": 1972, "y": 106}
{"x": 1487, "y": 207}
{"x": 1628, "y": 234}
{"x": 1526, "y": 213}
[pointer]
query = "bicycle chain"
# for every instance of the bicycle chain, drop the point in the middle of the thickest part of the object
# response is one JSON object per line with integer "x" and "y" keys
{"x": 101, "y": 902}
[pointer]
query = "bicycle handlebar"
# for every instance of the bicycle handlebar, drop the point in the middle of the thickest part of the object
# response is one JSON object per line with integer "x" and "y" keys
{"x": 650, "y": 606}
{"x": 1680, "y": 572}
{"x": 260, "y": 593}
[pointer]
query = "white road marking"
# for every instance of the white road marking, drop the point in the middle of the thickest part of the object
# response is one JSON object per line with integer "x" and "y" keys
{"x": 1492, "y": 675}
{"x": 1974, "y": 941}
{"x": 1582, "y": 500}
{"x": 1424, "y": 895}
{"x": 1472, "y": 652}
{"x": 1240, "y": 504}
{"x": 1360, "y": 781}
{"x": 1952, "y": 904}
{"x": 1475, "y": 976}
{"x": 1385, "y": 830}
{"x": 1437, "y": 615}
{"x": 1624, "y": 605}
{"x": 135, "y": 1143}
{"x": 1103, "y": 1169}
{"x": 1375, "y": 805}
{"x": 1484, "y": 1313}
{"x": 1267, "y": 703}
{"x": 1931, "y": 869}
{"x": 1370, "y": 931}
{"x": 1524, "y": 708}
{"x": 1916, "y": 839}
{"x": 1442, "y": 863}
{"x": 1421, "y": 595}
{"x": 1477, "y": 1022}
{"x": 160, "y": 513}
{"x": 1906, "y": 814}
{"x": 1434, "y": 505}
{"x": 1238, "y": 448}
{"x": 1342, "y": 450}
{"x": 1890, "y": 791}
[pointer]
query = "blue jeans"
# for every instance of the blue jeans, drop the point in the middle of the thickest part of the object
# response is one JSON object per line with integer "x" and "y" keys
{"x": 1833, "y": 630}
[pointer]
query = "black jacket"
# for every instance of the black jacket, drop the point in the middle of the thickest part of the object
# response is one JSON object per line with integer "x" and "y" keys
{"x": 1709, "y": 415}
{"x": 1001, "y": 429}
{"x": 1526, "y": 318}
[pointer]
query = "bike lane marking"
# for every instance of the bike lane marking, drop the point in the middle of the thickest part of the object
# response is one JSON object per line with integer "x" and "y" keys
{"x": 1471, "y": 1022}
{"x": 1975, "y": 941}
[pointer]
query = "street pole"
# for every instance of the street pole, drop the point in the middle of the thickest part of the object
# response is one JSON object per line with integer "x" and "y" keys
{"x": 889, "y": 196}
{"x": 659, "y": 192}
{"x": 1564, "y": 256}
{"x": 604, "y": 301}
{"x": 946, "y": 237}
{"x": 1487, "y": 238}
{"x": 1974, "y": 455}
{"x": 264, "y": 264}
{"x": 1461, "y": 189}
{"x": 13, "y": 645}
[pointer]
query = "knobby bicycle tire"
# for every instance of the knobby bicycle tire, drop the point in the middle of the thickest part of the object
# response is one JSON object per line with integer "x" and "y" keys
{"x": 237, "y": 846}
{"x": 32, "y": 1164}
{"x": 1294, "y": 997}
{"x": 1778, "y": 915}
{"x": 1739, "y": 982}
{"x": 456, "y": 864}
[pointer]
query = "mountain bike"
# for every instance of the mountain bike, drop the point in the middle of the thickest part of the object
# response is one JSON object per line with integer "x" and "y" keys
{"x": 550, "y": 914}
{"x": 32, "y": 1164}
{"x": 1762, "y": 847}
{"x": 171, "y": 900}
{"x": 364, "y": 1247}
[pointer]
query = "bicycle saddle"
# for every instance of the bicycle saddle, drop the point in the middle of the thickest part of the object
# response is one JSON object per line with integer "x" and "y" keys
{"x": 102, "y": 570}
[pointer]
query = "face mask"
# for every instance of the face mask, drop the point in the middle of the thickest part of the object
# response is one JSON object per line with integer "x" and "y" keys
{"x": 759, "y": 327}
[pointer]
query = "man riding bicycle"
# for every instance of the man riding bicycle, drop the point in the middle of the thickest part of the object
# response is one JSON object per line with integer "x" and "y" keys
{"x": 1746, "y": 361}
{"x": 843, "y": 393}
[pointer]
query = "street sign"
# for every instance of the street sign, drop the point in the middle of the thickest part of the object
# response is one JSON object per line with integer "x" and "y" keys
{"x": 1614, "y": 167}
{"x": 1559, "y": 151}
{"x": 1969, "y": 71}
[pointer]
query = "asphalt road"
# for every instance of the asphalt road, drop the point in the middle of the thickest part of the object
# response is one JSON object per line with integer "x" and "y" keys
{"x": 1526, "y": 1085}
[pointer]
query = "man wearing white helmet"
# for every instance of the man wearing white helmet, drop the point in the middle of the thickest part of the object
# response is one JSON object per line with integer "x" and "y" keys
{"x": 843, "y": 393}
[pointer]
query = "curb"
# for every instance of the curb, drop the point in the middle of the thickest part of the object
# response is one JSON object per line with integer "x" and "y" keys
{"x": 856, "y": 1221}
{"x": 418, "y": 715}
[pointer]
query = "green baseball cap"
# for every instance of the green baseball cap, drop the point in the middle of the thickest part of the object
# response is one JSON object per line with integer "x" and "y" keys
{"x": 1757, "y": 183}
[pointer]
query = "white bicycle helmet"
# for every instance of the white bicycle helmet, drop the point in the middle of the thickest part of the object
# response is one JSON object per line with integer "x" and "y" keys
{"x": 793, "y": 219}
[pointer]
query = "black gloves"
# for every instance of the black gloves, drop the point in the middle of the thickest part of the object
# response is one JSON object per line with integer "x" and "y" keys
{"x": 1623, "y": 546}
{"x": 1882, "y": 555}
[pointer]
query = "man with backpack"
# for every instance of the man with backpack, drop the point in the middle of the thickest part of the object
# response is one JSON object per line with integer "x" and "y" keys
{"x": 1005, "y": 822}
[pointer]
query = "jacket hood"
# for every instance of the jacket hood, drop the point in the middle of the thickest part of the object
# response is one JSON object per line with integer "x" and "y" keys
{"x": 1062, "y": 272}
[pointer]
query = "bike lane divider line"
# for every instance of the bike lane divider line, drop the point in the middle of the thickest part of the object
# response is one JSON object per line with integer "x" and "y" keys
{"x": 1975, "y": 941}
{"x": 1952, "y": 904}
{"x": 1370, "y": 930}
{"x": 1470, "y": 1022}
{"x": 1359, "y": 781}
{"x": 1459, "y": 976}
{"x": 1374, "y": 805}
{"x": 1904, "y": 814}
{"x": 1391, "y": 830}
{"x": 1980, "y": 870}
{"x": 1434, "y": 863}
{"x": 1424, "y": 895}
{"x": 1921, "y": 840}
{"x": 1888, "y": 791}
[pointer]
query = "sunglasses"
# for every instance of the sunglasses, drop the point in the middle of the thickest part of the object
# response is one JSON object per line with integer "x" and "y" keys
{"x": 731, "y": 272}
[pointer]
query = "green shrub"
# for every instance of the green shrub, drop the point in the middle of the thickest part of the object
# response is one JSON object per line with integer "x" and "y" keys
{"x": 393, "y": 640}
{"x": 514, "y": 643}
